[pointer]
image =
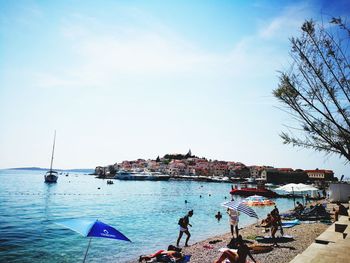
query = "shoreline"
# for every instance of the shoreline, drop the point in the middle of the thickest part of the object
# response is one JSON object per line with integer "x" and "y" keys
{"x": 304, "y": 235}
{"x": 205, "y": 251}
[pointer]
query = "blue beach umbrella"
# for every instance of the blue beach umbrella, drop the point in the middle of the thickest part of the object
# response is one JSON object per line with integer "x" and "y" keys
{"x": 92, "y": 228}
{"x": 241, "y": 207}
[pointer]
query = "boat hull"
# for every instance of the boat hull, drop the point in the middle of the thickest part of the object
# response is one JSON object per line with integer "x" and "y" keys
{"x": 51, "y": 178}
{"x": 253, "y": 191}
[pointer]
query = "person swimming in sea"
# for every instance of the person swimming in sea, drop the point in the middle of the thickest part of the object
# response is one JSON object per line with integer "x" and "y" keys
{"x": 218, "y": 216}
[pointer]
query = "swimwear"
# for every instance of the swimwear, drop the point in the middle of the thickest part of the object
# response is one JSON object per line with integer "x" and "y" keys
{"x": 182, "y": 229}
{"x": 234, "y": 217}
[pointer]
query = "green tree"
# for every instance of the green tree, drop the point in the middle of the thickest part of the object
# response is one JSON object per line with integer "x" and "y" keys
{"x": 111, "y": 169}
{"x": 316, "y": 89}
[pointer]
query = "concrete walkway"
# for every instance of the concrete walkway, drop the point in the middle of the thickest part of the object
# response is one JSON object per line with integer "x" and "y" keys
{"x": 333, "y": 245}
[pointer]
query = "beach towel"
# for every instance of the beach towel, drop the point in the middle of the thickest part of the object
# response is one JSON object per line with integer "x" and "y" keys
{"x": 247, "y": 261}
{"x": 289, "y": 224}
{"x": 167, "y": 259}
{"x": 279, "y": 239}
{"x": 208, "y": 246}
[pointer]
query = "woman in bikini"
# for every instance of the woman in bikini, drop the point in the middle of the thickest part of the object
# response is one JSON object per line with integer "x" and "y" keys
{"x": 236, "y": 257}
{"x": 164, "y": 256}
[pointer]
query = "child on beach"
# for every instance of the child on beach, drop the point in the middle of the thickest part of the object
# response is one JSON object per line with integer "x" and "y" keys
{"x": 184, "y": 223}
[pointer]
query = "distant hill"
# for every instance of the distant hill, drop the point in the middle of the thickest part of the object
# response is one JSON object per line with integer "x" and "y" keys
{"x": 29, "y": 168}
{"x": 79, "y": 170}
{"x": 88, "y": 171}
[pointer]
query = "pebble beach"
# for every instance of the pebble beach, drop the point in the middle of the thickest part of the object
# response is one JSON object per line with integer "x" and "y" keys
{"x": 207, "y": 251}
{"x": 303, "y": 234}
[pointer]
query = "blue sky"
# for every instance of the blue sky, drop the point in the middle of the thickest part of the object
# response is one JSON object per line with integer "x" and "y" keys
{"x": 136, "y": 79}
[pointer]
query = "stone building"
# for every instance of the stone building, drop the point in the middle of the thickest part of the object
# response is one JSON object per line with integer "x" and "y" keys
{"x": 284, "y": 176}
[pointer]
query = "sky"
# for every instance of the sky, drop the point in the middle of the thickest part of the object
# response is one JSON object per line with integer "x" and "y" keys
{"x": 122, "y": 80}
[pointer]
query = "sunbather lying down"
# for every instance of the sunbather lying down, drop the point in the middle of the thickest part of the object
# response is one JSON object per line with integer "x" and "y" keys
{"x": 236, "y": 257}
{"x": 164, "y": 256}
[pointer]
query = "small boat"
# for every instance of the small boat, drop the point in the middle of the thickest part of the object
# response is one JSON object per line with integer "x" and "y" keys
{"x": 254, "y": 191}
{"x": 51, "y": 176}
{"x": 256, "y": 200}
{"x": 110, "y": 182}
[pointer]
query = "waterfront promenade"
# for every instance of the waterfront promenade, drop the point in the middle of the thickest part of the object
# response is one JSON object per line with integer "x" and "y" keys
{"x": 331, "y": 246}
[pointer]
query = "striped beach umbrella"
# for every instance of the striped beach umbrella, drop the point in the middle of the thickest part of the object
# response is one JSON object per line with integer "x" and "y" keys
{"x": 241, "y": 207}
{"x": 257, "y": 200}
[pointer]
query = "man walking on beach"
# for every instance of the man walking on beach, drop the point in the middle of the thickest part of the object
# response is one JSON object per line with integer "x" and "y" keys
{"x": 184, "y": 223}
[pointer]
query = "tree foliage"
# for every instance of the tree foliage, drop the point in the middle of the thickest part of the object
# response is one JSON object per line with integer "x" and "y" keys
{"x": 316, "y": 89}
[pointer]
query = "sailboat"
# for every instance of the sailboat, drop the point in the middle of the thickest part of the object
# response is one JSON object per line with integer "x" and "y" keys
{"x": 51, "y": 176}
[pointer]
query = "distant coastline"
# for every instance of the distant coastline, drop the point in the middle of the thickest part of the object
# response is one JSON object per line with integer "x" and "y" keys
{"x": 79, "y": 170}
{"x": 27, "y": 168}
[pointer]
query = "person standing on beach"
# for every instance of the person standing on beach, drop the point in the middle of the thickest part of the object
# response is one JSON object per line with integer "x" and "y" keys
{"x": 234, "y": 219}
{"x": 274, "y": 226}
{"x": 279, "y": 220}
{"x": 184, "y": 223}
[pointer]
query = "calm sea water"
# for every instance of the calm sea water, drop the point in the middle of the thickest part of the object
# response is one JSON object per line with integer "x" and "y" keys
{"x": 146, "y": 212}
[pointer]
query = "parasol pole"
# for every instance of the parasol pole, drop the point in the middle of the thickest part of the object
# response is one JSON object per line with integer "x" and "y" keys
{"x": 87, "y": 250}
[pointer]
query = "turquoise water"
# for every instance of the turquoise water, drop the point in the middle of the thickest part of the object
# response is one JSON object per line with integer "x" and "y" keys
{"x": 146, "y": 212}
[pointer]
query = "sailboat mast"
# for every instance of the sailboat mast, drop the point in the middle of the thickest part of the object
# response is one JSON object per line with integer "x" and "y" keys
{"x": 53, "y": 150}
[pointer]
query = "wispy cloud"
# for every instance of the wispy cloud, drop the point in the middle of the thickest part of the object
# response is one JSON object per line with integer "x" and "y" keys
{"x": 106, "y": 53}
{"x": 289, "y": 21}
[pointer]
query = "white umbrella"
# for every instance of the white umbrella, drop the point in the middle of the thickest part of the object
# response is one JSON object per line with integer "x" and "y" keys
{"x": 306, "y": 187}
{"x": 296, "y": 188}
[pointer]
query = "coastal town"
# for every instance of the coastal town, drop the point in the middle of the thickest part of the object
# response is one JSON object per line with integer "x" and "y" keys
{"x": 189, "y": 166}
{"x": 175, "y": 131}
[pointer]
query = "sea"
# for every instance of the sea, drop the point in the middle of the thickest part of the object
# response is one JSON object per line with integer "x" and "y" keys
{"x": 147, "y": 212}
